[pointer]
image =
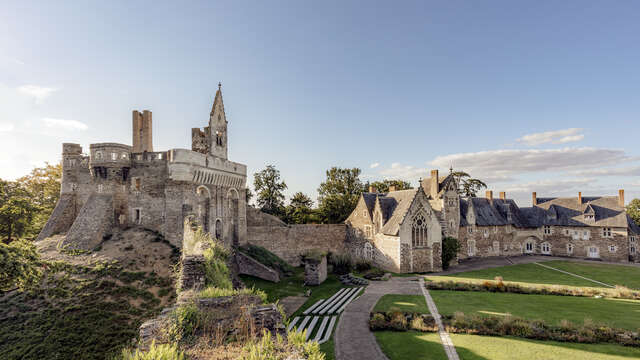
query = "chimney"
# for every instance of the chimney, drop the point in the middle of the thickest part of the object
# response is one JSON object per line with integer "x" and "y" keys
{"x": 434, "y": 184}
{"x": 503, "y": 195}
{"x": 489, "y": 195}
{"x": 142, "y": 131}
{"x": 534, "y": 198}
{"x": 579, "y": 198}
{"x": 621, "y": 197}
{"x": 392, "y": 188}
{"x": 372, "y": 189}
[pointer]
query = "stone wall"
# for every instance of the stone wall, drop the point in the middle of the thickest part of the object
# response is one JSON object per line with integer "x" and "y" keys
{"x": 62, "y": 217}
{"x": 315, "y": 271}
{"x": 289, "y": 242}
{"x": 94, "y": 221}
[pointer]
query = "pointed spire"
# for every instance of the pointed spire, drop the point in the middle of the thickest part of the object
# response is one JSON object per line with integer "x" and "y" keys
{"x": 217, "y": 98}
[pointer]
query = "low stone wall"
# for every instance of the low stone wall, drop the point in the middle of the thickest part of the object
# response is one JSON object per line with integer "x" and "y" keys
{"x": 291, "y": 241}
{"x": 192, "y": 276}
{"x": 250, "y": 266}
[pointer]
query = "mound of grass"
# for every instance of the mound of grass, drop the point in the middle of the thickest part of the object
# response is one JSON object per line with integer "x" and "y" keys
{"x": 267, "y": 258}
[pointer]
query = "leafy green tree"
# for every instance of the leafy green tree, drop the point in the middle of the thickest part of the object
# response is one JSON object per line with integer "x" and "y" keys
{"x": 450, "y": 248}
{"x": 299, "y": 210}
{"x": 20, "y": 266}
{"x": 43, "y": 184}
{"x": 17, "y": 210}
{"x": 383, "y": 186}
{"x": 468, "y": 186}
{"x": 633, "y": 209}
{"x": 338, "y": 194}
{"x": 269, "y": 190}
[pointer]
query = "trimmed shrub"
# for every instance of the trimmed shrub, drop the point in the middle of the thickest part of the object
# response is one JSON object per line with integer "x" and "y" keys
{"x": 450, "y": 248}
{"x": 378, "y": 322}
{"x": 342, "y": 263}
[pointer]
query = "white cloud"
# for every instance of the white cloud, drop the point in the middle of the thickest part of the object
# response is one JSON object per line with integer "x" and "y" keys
{"x": 504, "y": 163}
{"x": 556, "y": 137}
{"x": 374, "y": 165}
{"x": 6, "y": 127}
{"x": 39, "y": 93}
{"x": 403, "y": 172}
{"x": 623, "y": 171}
{"x": 64, "y": 124}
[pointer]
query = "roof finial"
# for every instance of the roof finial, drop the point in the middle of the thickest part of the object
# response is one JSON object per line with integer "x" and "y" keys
{"x": 219, "y": 85}
{"x": 451, "y": 168}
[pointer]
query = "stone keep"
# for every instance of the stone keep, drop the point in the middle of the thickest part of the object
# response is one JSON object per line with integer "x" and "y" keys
{"x": 117, "y": 186}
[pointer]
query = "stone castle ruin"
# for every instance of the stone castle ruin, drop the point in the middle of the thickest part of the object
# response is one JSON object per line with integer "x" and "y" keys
{"x": 117, "y": 186}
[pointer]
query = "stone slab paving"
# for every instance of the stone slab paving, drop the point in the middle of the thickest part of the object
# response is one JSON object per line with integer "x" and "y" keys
{"x": 353, "y": 340}
{"x": 449, "y": 348}
{"x": 292, "y": 303}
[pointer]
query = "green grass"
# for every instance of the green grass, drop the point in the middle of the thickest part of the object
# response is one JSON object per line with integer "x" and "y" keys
{"x": 426, "y": 346}
{"x": 628, "y": 276}
{"x": 404, "y": 303}
{"x": 410, "y": 345}
{"x": 552, "y": 309}
{"x": 526, "y": 273}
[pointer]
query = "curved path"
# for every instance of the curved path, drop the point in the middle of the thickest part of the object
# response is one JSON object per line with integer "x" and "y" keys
{"x": 353, "y": 339}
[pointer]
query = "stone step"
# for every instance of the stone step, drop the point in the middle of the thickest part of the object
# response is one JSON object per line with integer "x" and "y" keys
{"x": 304, "y": 322}
{"x": 337, "y": 305}
{"x": 329, "y": 300}
{"x": 293, "y": 323}
{"x": 323, "y": 325}
{"x": 314, "y": 306}
{"x": 355, "y": 294}
{"x": 327, "y": 334}
{"x": 310, "y": 327}
{"x": 338, "y": 299}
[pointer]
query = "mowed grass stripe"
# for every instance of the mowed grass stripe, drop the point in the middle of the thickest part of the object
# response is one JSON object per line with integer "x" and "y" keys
{"x": 552, "y": 309}
{"x": 527, "y": 273}
{"x": 404, "y": 303}
{"x": 624, "y": 275}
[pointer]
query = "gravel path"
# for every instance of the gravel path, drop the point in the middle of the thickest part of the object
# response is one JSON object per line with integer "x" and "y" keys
{"x": 353, "y": 339}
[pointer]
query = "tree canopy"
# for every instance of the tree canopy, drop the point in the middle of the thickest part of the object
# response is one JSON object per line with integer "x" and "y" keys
{"x": 299, "y": 210}
{"x": 269, "y": 189}
{"x": 633, "y": 209}
{"x": 338, "y": 194}
{"x": 468, "y": 186}
{"x": 383, "y": 186}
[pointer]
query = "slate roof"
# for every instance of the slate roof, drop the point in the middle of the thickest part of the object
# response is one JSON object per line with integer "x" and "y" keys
{"x": 397, "y": 204}
{"x": 443, "y": 181}
{"x": 570, "y": 211}
{"x": 370, "y": 201}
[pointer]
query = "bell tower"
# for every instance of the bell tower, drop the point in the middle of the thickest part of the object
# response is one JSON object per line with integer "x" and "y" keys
{"x": 218, "y": 126}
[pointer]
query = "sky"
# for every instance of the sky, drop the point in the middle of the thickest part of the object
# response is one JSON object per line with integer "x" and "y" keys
{"x": 529, "y": 96}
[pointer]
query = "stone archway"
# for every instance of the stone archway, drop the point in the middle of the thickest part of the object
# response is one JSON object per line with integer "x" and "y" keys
{"x": 204, "y": 206}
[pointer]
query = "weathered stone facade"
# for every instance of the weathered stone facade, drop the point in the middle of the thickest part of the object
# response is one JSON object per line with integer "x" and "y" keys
{"x": 315, "y": 271}
{"x": 118, "y": 185}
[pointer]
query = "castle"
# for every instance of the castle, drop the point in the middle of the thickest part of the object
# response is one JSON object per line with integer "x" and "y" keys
{"x": 402, "y": 231}
{"x": 117, "y": 186}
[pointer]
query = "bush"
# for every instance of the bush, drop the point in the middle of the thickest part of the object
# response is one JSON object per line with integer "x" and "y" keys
{"x": 342, "y": 263}
{"x": 19, "y": 266}
{"x": 155, "y": 352}
{"x": 215, "y": 267}
{"x": 450, "y": 248}
{"x": 214, "y": 292}
{"x": 378, "y": 322}
{"x": 183, "y": 322}
{"x": 276, "y": 348}
{"x": 398, "y": 322}
{"x": 363, "y": 265}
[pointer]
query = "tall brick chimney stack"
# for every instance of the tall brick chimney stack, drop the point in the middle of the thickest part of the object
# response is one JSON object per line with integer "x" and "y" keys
{"x": 489, "y": 195}
{"x": 503, "y": 195}
{"x": 392, "y": 188}
{"x": 372, "y": 189}
{"x": 434, "y": 183}
{"x": 534, "y": 198}
{"x": 580, "y": 198}
{"x": 142, "y": 132}
{"x": 621, "y": 197}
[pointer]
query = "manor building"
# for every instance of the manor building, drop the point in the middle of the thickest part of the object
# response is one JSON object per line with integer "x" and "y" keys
{"x": 402, "y": 231}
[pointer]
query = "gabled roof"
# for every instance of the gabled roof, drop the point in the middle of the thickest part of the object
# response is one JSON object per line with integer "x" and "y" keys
{"x": 570, "y": 211}
{"x": 443, "y": 181}
{"x": 369, "y": 201}
{"x": 398, "y": 203}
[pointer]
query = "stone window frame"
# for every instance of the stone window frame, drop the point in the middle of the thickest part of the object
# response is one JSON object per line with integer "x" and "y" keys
{"x": 470, "y": 230}
{"x": 547, "y": 230}
{"x": 586, "y": 235}
{"x": 612, "y": 248}
{"x": 114, "y": 156}
{"x": 632, "y": 245}
{"x": 136, "y": 183}
{"x": 365, "y": 213}
{"x": 98, "y": 155}
{"x": 570, "y": 248}
{"x": 367, "y": 251}
{"x": 607, "y": 232}
{"x": 419, "y": 231}
{"x": 368, "y": 231}
{"x": 545, "y": 248}
{"x": 486, "y": 233}
{"x": 471, "y": 248}
{"x": 123, "y": 156}
{"x": 596, "y": 252}
{"x": 530, "y": 244}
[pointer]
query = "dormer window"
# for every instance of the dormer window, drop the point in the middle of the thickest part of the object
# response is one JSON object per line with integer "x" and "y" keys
{"x": 547, "y": 230}
{"x": 589, "y": 217}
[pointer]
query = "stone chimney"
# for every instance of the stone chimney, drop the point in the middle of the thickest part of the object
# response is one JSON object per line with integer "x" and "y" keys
{"x": 580, "y": 198}
{"x": 142, "y": 132}
{"x": 489, "y": 195}
{"x": 392, "y": 188}
{"x": 534, "y": 198}
{"x": 503, "y": 195}
{"x": 434, "y": 184}
{"x": 372, "y": 189}
{"x": 621, "y": 197}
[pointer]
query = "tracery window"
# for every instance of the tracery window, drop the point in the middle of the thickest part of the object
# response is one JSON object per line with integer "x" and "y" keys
{"x": 419, "y": 231}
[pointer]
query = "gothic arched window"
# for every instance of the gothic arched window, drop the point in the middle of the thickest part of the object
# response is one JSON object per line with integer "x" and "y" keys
{"x": 419, "y": 231}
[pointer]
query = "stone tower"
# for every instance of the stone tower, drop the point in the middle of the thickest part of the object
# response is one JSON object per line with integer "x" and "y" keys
{"x": 142, "y": 126}
{"x": 218, "y": 126}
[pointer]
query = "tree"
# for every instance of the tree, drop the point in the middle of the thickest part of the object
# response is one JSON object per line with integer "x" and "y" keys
{"x": 269, "y": 190}
{"x": 633, "y": 209}
{"x": 450, "y": 248}
{"x": 383, "y": 186}
{"x": 43, "y": 185}
{"x": 338, "y": 194}
{"x": 468, "y": 186}
{"x": 299, "y": 210}
{"x": 17, "y": 210}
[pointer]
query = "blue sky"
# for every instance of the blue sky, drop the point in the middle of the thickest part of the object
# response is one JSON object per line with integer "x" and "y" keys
{"x": 531, "y": 96}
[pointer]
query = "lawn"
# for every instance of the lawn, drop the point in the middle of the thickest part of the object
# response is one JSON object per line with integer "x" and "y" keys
{"x": 427, "y": 346}
{"x": 527, "y": 273}
{"x": 404, "y": 303}
{"x": 628, "y": 276}
{"x": 552, "y": 309}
